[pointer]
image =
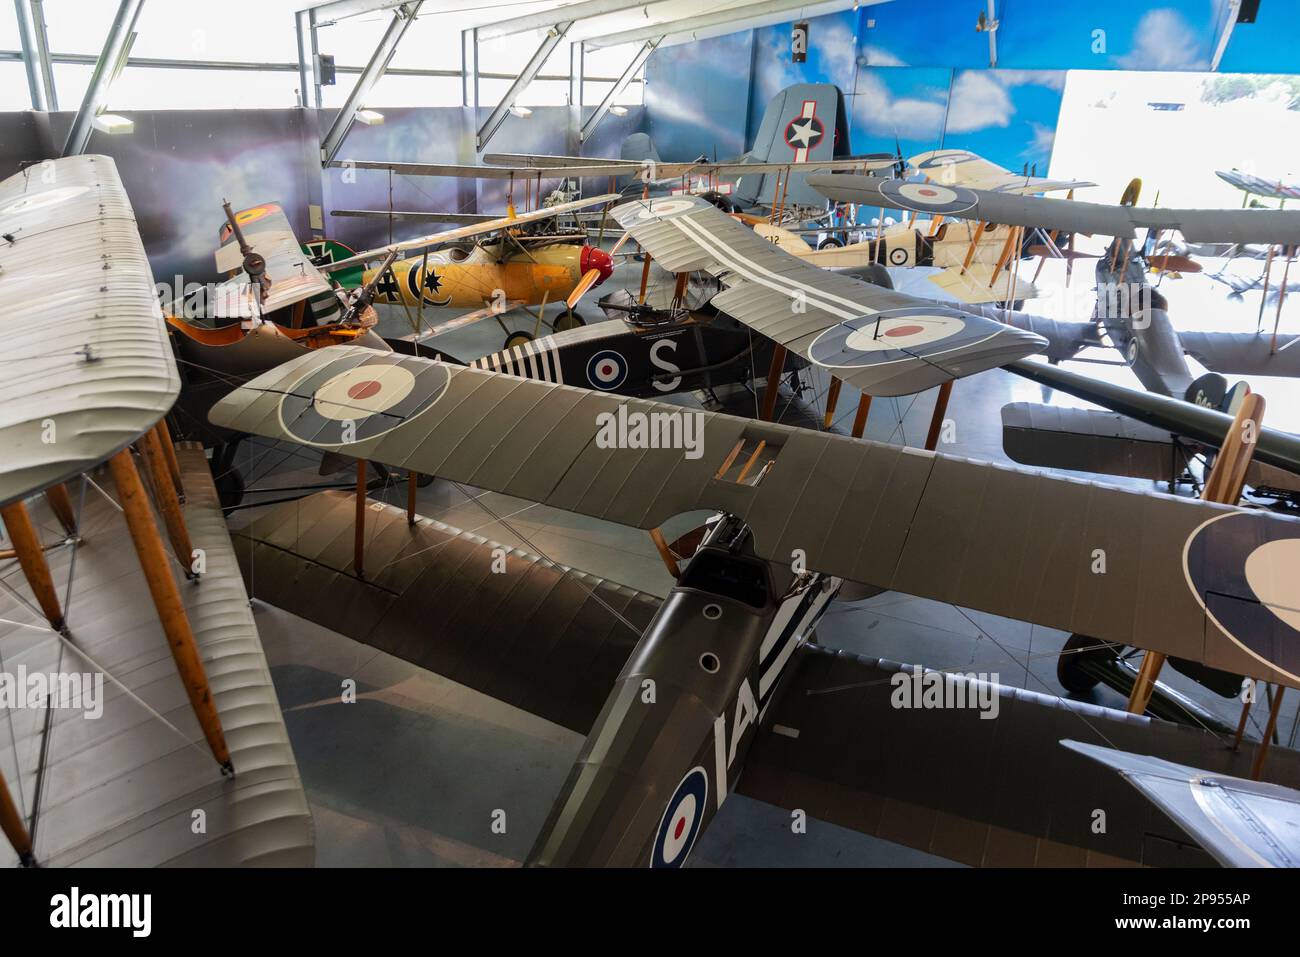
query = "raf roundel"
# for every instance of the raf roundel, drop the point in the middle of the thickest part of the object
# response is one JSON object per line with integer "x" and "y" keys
{"x": 344, "y": 402}
{"x": 885, "y": 337}
{"x": 664, "y": 208}
{"x": 929, "y": 197}
{"x": 1244, "y": 569}
{"x": 607, "y": 370}
{"x": 682, "y": 819}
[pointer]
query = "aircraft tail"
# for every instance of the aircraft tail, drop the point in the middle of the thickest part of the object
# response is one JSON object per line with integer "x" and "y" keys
{"x": 802, "y": 123}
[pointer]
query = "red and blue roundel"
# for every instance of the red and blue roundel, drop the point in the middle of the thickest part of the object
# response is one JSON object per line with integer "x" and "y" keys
{"x": 887, "y": 336}
{"x": 359, "y": 397}
{"x": 928, "y": 197}
{"x": 682, "y": 819}
{"x": 607, "y": 370}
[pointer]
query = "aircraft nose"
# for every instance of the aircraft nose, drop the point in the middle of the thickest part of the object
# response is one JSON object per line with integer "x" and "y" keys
{"x": 593, "y": 257}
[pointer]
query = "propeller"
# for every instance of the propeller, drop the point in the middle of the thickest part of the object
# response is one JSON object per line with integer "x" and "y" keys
{"x": 900, "y": 164}
{"x": 597, "y": 266}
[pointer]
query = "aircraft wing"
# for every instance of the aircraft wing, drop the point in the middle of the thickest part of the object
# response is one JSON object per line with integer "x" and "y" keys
{"x": 877, "y": 340}
{"x": 649, "y": 170}
{"x": 540, "y": 636}
{"x": 841, "y": 743}
{"x": 293, "y": 275}
{"x": 1177, "y": 575}
{"x": 1065, "y": 340}
{"x": 1242, "y": 823}
{"x": 1087, "y": 440}
{"x": 963, "y": 168}
{"x": 472, "y": 230}
{"x": 88, "y": 368}
{"x": 1281, "y": 227}
{"x": 1248, "y": 182}
{"x": 1243, "y": 353}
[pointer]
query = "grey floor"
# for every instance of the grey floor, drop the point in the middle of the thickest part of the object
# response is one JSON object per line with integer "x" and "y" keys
{"x": 414, "y": 771}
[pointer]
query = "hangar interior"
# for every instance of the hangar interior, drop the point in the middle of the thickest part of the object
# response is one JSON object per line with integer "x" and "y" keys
{"x": 366, "y": 687}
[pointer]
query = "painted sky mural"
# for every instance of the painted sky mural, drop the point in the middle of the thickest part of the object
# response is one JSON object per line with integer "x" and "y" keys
{"x": 917, "y": 70}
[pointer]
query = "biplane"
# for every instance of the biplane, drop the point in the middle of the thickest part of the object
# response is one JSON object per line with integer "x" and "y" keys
{"x": 771, "y": 307}
{"x": 975, "y": 260}
{"x": 279, "y": 302}
{"x": 118, "y": 571}
{"x": 723, "y": 692}
{"x": 1130, "y": 312}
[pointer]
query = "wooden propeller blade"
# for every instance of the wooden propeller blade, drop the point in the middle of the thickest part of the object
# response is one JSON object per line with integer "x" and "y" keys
{"x": 619, "y": 245}
{"x": 588, "y": 280}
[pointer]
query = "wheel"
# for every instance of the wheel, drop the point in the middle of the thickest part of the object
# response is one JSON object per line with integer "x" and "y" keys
{"x": 518, "y": 339}
{"x": 230, "y": 487}
{"x": 570, "y": 320}
{"x": 830, "y": 242}
{"x": 1069, "y": 670}
{"x": 424, "y": 481}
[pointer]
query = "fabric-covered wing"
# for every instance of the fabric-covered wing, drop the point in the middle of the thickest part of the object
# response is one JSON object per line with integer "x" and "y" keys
{"x": 1241, "y": 823}
{"x": 1003, "y": 540}
{"x": 963, "y": 168}
{"x": 1196, "y": 225}
{"x": 1272, "y": 189}
{"x": 471, "y": 231}
{"x": 1086, "y": 440}
{"x": 87, "y": 364}
{"x": 293, "y": 275}
{"x": 1243, "y": 353}
{"x": 879, "y": 341}
{"x": 539, "y": 636}
{"x": 1065, "y": 340}
{"x": 841, "y": 744}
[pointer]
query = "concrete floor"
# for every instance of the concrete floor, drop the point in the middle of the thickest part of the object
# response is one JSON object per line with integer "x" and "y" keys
{"x": 412, "y": 773}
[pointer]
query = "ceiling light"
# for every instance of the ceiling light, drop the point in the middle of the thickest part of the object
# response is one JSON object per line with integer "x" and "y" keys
{"x": 618, "y": 110}
{"x": 520, "y": 111}
{"x": 112, "y": 123}
{"x": 370, "y": 117}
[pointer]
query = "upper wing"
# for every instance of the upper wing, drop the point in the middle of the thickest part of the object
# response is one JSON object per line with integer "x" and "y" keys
{"x": 1241, "y": 823}
{"x": 1243, "y": 353}
{"x": 1273, "y": 189}
{"x": 879, "y": 341}
{"x": 573, "y": 167}
{"x": 1197, "y": 225}
{"x": 293, "y": 275}
{"x": 848, "y": 742}
{"x": 963, "y": 168}
{"x": 472, "y": 230}
{"x": 1011, "y": 542}
{"x": 88, "y": 368}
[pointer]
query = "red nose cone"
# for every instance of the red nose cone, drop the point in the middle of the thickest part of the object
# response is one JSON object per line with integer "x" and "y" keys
{"x": 593, "y": 257}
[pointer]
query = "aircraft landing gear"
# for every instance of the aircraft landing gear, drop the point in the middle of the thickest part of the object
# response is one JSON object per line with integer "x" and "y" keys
{"x": 518, "y": 339}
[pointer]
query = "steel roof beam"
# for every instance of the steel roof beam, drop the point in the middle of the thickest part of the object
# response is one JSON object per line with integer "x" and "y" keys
{"x": 530, "y": 71}
{"x": 111, "y": 58}
{"x": 403, "y": 17}
{"x": 638, "y": 61}
{"x": 568, "y": 13}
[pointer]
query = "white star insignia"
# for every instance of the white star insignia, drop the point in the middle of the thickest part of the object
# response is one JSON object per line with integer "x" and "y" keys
{"x": 802, "y": 132}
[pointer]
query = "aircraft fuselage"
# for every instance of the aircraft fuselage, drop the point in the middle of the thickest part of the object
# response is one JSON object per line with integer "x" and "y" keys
{"x": 669, "y": 744}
